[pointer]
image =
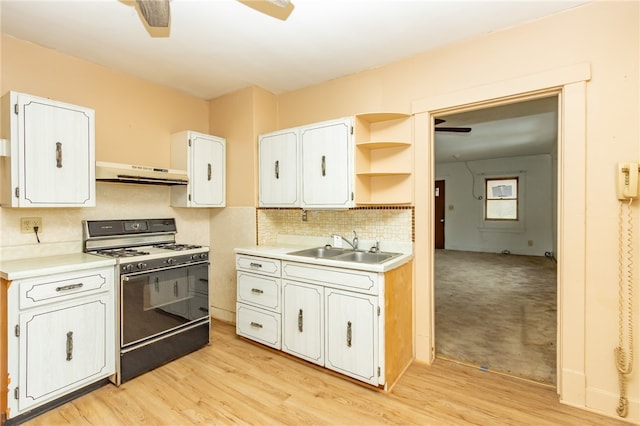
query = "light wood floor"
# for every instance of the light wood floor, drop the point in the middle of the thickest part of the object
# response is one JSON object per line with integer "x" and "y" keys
{"x": 236, "y": 382}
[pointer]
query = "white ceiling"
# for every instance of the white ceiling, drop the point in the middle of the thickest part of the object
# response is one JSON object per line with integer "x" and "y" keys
{"x": 215, "y": 47}
{"x": 219, "y": 46}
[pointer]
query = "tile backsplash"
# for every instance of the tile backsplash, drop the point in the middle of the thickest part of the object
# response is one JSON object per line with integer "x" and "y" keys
{"x": 371, "y": 223}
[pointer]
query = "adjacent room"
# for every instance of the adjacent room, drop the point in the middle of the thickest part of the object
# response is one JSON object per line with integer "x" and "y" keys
{"x": 495, "y": 237}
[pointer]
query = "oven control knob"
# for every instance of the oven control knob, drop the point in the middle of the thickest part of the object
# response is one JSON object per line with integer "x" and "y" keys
{"x": 195, "y": 257}
{"x": 127, "y": 268}
{"x": 171, "y": 261}
{"x": 142, "y": 265}
{"x": 203, "y": 256}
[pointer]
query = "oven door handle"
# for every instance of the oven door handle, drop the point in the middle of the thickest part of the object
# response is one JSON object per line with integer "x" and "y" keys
{"x": 125, "y": 278}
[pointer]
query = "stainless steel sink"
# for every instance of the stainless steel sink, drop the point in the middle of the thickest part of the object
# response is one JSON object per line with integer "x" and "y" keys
{"x": 319, "y": 252}
{"x": 366, "y": 257}
{"x": 345, "y": 255}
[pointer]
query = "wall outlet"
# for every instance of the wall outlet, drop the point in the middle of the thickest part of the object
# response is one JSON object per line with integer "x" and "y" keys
{"x": 27, "y": 224}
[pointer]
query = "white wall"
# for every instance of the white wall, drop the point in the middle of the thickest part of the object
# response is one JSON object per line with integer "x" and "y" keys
{"x": 465, "y": 227}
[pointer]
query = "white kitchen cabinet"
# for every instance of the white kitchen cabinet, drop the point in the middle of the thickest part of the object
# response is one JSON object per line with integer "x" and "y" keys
{"x": 279, "y": 169}
{"x": 309, "y": 167}
{"x": 352, "y": 335}
{"x": 61, "y": 335}
{"x": 52, "y": 153}
{"x": 204, "y": 158}
{"x": 327, "y": 164}
{"x": 303, "y": 321}
{"x": 258, "y": 306}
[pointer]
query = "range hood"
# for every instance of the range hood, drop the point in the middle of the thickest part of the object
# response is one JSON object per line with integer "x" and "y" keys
{"x": 129, "y": 173}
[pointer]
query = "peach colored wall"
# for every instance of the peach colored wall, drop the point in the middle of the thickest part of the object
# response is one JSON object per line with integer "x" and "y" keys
{"x": 602, "y": 34}
{"x": 134, "y": 118}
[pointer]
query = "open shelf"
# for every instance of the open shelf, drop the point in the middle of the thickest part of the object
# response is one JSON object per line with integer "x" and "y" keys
{"x": 383, "y": 159}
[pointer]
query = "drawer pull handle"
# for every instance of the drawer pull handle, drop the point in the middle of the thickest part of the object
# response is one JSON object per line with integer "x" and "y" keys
{"x": 69, "y": 346}
{"x": 257, "y": 291}
{"x": 300, "y": 320}
{"x": 69, "y": 287}
{"x": 256, "y": 325}
{"x": 255, "y": 265}
{"x": 349, "y": 334}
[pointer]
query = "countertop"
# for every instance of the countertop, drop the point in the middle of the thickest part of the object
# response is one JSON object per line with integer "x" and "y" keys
{"x": 38, "y": 266}
{"x": 281, "y": 252}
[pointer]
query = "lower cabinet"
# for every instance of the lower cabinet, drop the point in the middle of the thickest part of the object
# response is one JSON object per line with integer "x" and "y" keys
{"x": 60, "y": 337}
{"x": 303, "y": 321}
{"x": 352, "y": 335}
{"x": 354, "y": 322}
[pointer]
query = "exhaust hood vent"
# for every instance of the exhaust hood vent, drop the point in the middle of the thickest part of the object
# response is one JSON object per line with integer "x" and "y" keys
{"x": 129, "y": 173}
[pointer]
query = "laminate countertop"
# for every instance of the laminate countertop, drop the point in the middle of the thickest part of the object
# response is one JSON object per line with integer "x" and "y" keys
{"x": 38, "y": 266}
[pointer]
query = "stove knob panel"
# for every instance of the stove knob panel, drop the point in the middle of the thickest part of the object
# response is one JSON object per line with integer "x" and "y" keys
{"x": 142, "y": 265}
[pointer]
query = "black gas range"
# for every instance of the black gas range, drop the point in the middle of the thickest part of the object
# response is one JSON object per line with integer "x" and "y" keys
{"x": 162, "y": 291}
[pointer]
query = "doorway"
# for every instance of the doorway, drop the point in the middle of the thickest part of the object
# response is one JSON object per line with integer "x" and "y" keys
{"x": 495, "y": 279}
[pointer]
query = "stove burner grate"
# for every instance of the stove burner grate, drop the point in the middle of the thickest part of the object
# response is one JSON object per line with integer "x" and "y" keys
{"x": 122, "y": 252}
{"x": 177, "y": 247}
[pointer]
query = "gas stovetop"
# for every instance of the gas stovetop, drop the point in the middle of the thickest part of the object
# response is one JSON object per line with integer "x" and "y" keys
{"x": 140, "y": 244}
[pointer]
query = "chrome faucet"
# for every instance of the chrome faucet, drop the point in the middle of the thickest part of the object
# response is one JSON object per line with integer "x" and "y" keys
{"x": 354, "y": 244}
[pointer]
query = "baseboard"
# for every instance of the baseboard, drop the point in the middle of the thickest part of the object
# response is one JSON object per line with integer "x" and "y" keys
{"x": 605, "y": 403}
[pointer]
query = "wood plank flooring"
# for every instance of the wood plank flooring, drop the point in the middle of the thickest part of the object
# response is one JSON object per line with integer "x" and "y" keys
{"x": 233, "y": 381}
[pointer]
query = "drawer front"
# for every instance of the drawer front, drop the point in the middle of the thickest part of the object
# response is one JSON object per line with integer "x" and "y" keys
{"x": 61, "y": 287}
{"x": 348, "y": 279}
{"x": 260, "y": 265}
{"x": 258, "y": 290}
{"x": 259, "y": 325}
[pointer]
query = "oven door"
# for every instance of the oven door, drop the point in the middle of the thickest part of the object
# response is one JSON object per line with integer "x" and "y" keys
{"x": 159, "y": 301}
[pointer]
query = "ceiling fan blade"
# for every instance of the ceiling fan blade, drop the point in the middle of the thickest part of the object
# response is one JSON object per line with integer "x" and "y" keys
{"x": 449, "y": 129}
{"x": 279, "y": 9}
{"x": 155, "y": 12}
{"x": 453, "y": 129}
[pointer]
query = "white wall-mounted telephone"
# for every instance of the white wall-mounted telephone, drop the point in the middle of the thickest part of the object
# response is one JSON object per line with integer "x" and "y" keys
{"x": 627, "y": 184}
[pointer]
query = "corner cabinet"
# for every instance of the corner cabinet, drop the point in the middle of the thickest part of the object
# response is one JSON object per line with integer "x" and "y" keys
{"x": 309, "y": 167}
{"x": 60, "y": 335}
{"x": 383, "y": 159}
{"x": 204, "y": 158}
{"x": 51, "y": 162}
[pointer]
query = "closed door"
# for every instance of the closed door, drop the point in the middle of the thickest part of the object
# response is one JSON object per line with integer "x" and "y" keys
{"x": 303, "y": 321}
{"x": 279, "y": 169}
{"x": 439, "y": 214}
{"x": 208, "y": 174}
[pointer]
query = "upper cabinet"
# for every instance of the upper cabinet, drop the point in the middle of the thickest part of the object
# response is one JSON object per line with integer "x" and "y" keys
{"x": 204, "y": 158}
{"x": 383, "y": 159}
{"x": 309, "y": 167}
{"x": 51, "y": 160}
{"x": 327, "y": 164}
{"x": 279, "y": 164}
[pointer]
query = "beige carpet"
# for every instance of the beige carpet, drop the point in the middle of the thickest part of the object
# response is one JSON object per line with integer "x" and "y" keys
{"x": 497, "y": 312}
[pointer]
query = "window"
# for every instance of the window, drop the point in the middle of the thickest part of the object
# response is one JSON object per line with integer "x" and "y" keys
{"x": 501, "y": 199}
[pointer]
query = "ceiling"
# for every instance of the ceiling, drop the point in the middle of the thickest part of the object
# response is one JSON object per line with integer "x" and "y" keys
{"x": 513, "y": 130}
{"x": 219, "y": 46}
{"x": 214, "y": 47}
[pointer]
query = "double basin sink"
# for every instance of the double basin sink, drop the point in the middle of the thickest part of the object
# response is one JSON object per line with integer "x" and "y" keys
{"x": 346, "y": 255}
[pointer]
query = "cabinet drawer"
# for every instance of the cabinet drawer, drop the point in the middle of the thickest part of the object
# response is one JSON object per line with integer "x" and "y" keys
{"x": 258, "y": 324}
{"x": 58, "y": 288}
{"x": 259, "y": 290}
{"x": 348, "y": 279}
{"x": 261, "y": 265}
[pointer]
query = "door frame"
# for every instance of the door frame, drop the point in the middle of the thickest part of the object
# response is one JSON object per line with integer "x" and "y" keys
{"x": 569, "y": 84}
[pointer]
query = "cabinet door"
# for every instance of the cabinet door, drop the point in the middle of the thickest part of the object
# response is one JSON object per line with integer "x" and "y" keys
{"x": 303, "y": 321}
{"x": 279, "y": 169}
{"x": 352, "y": 334}
{"x": 207, "y": 171}
{"x": 63, "y": 348}
{"x": 327, "y": 170}
{"x": 56, "y": 154}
